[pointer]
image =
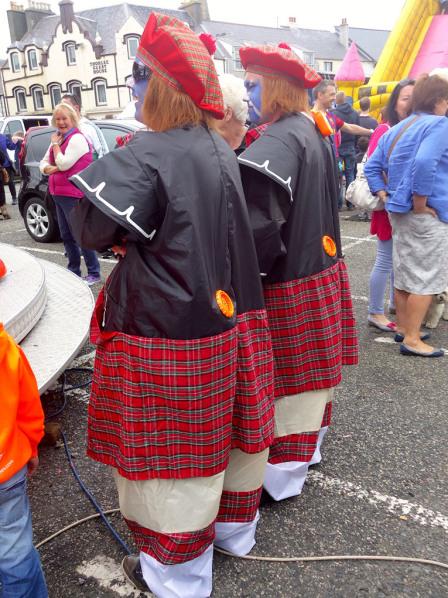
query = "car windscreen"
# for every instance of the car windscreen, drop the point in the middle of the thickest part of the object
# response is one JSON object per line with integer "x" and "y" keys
{"x": 35, "y": 122}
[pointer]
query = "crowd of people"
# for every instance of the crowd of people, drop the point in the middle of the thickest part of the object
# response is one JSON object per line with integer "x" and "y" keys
{"x": 222, "y": 331}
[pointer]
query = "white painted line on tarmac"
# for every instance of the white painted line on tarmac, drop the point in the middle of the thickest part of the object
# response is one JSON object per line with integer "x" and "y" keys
{"x": 359, "y": 241}
{"x": 360, "y": 298}
{"x": 396, "y": 506}
{"x": 52, "y": 252}
{"x": 387, "y": 340}
{"x": 371, "y": 238}
{"x": 13, "y": 232}
{"x": 107, "y": 573}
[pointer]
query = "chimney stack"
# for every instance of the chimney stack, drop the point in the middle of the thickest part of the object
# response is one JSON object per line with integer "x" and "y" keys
{"x": 197, "y": 9}
{"x": 21, "y": 20}
{"x": 343, "y": 33}
{"x": 67, "y": 15}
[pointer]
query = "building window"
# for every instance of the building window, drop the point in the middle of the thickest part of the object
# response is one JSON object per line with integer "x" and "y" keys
{"x": 20, "y": 100}
{"x": 100, "y": 93}
{"x": 38, "y": 98}
{"x": 132, "y": 43}
{"x": 55, "y": 94}
{"x": 74, "y": 88}
{"x": 70, "y": 53}
{"x": 15, "y": 62}
{"x": 309, "y": 58}
{"x": 328, "y": 67}
{"x": 32, "y": 60}
{"x": 236, "y": 58}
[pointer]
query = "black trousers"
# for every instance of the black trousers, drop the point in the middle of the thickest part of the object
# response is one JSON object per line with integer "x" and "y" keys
{"x": 11, "y": 184}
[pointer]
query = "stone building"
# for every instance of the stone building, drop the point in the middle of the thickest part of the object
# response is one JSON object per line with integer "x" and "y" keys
{"x": 91, "y": 52}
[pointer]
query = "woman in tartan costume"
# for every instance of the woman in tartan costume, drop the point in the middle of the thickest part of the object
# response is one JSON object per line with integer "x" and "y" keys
{"x": 289, "y": 179}
{"x": 182, "y": 396}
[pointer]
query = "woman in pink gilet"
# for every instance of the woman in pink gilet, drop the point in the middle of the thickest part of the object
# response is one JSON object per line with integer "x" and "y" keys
{"x": 68, "y": 154}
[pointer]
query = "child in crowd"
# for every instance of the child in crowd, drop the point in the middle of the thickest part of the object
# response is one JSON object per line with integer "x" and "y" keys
{"x": 21, "y": 429}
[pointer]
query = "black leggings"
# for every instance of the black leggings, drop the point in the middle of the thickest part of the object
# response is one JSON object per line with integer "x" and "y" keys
{"x": 11, "y": 184}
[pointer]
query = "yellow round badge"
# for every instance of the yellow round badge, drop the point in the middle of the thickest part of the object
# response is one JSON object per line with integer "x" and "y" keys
{"x": 225, "y": 304}
{"x": 329, "y": 246}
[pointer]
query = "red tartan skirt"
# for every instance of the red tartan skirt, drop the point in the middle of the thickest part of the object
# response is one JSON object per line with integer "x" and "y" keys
{"x": 313, "y": 330}
{"x": 164, "y": 408}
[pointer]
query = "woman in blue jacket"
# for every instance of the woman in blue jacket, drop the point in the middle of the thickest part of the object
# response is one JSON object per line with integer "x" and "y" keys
{"x": 414, "y": 157}
{"x": 7, "y": 144}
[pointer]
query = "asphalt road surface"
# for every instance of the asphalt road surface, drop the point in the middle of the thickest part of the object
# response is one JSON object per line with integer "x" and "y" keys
{"x": 380, "y": 490}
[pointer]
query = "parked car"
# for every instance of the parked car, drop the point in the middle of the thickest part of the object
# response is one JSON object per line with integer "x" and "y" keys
{"x": 35, "y": 202}
{"x": 10, "y": 125}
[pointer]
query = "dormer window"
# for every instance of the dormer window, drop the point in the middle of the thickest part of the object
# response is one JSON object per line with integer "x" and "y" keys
{"x": 32, "y": 60}
{"x": 70, "y": 53}
{"x": 15, "y": 62}
{"x": 132, "y": 42}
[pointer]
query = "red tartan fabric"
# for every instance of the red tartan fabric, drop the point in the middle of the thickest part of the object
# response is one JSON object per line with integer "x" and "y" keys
{"x": 313, "y": 330}
{"x": 240, "y": 507}
{"x": 298, "y": 447}
{"x": 162, "y": 408}
{"x": 253, "y": 413}
{"x": 326, "y": 420}
{"x": 172, "y": 549}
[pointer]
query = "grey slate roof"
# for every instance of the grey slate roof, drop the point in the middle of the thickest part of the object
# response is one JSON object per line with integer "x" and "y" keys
{"x": 372, "y": 41}
{"x": 324, "y": 44}
{"x": 106, "y": 20}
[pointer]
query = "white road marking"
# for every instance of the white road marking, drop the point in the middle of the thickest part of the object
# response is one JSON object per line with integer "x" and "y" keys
{"x": 107, "y": 573}
{"x": 387, "y": 340}
{"x": 360, "y": 298}
{"x": 52, "y": 252}
{"x": 371, "y": 238}
{"x": 396, "y": 506}
{"x": 13, "y": 232}
{"x": 358, "y": 241}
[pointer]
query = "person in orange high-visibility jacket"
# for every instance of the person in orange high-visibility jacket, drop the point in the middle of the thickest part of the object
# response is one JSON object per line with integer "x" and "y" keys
{"x": 21, "y": 429}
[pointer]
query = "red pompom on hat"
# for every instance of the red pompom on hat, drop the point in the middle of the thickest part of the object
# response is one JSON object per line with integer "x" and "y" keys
{"x": 278, "y": 61}
{"x": 176, "y": 54}
{"x": 209, "y": 42}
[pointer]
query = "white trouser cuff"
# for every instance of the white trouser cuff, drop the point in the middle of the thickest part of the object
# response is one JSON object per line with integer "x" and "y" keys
{"x": 317, "y": 457}
{"x": 192, "y": 579}
{"x": 237, "y": 538}
{"x": 284, "y": 480}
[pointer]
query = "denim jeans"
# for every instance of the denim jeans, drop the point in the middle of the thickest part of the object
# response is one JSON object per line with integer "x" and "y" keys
{"x": 21, "y": 573}
{"x": 381, "y": 273}
{"x": 64, "y": 205}
{"x": 349, "y": 170}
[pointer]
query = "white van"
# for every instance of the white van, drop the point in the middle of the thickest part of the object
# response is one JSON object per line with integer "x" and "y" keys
{"x": 10, "y": 125}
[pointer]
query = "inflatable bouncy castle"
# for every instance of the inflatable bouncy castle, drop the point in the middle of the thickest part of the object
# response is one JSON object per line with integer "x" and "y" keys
{"x": 417, "y": 44}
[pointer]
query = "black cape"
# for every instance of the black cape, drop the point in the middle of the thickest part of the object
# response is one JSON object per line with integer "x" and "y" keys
{"x": 175, "y": 200}
{"x": 290, "y": 182}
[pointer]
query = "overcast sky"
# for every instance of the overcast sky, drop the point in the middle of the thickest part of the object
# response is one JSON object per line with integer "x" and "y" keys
{"x": 379, "y": 14}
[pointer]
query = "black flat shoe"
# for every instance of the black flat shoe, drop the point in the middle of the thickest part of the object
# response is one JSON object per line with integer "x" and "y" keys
{"x": 404, "y": 350}
{"x": 399, "y": 338}
{"x": 133, "y": 572}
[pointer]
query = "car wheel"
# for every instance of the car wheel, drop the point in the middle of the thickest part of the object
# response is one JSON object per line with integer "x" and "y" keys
{"x": 39, "y": 221}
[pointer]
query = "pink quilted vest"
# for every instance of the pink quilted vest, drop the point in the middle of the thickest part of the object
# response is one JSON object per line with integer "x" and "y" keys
{"x": 59, "y": 181}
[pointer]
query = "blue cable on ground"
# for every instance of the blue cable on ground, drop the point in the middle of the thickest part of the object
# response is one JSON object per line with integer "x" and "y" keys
{"x": 92, "y": 499}
{"x": 64, "y": 389}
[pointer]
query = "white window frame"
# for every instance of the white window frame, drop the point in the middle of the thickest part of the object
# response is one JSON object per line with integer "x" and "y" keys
{"x": 309, "y": 58}
{"x": 34, "y": 91}
{"x": 71, "y": 60}
{"x": 11, "y": 58}
{"x": 128, "y": 40}
{"x": 237, "y": 66}
{"x": 35, "y": 66}
{"x": 328, "y": 66}
{"x": 75, "y": 88}
{"x": 16, "y": 94}
{"x": 51, "y": 89}
{"x": 96, "y": 84}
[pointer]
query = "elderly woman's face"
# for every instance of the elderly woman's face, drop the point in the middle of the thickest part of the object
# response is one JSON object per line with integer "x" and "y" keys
{"x": 63, "y": 121}
{"x": 232, "y": 129}
{"x": 403, "y": 106}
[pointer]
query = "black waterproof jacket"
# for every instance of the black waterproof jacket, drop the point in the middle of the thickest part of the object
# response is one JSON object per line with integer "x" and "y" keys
{"x": 350, "y": 116}
{"x": 175, "y": 201}
{"x": 290, "y": 182}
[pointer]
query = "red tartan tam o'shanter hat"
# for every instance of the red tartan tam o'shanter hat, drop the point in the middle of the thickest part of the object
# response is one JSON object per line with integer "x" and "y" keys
{"x": 176, "y": 54}
{"x": 278, "y": 61}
